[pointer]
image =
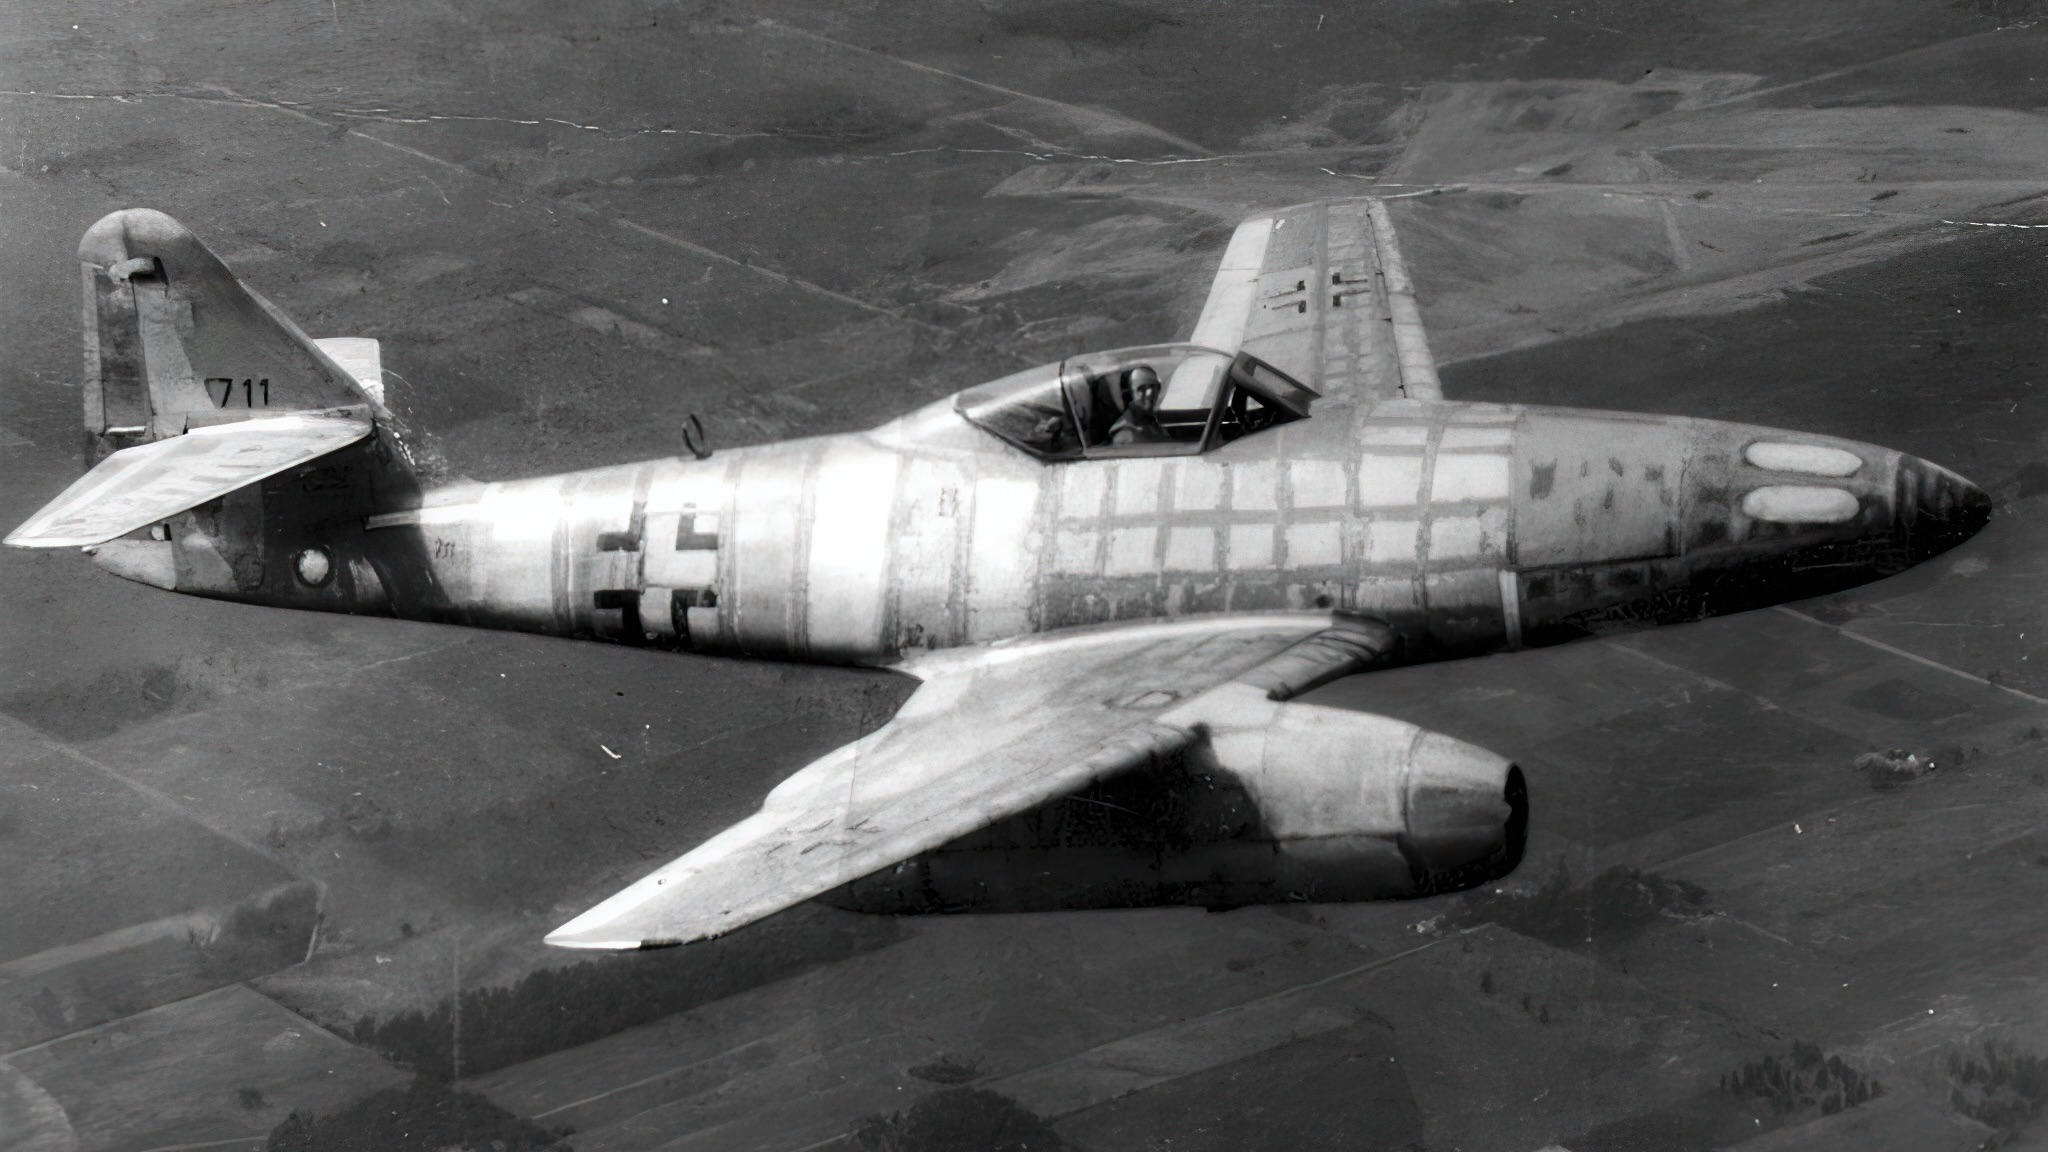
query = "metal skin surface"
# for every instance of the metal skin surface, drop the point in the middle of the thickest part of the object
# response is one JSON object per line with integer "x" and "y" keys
{"x": 1098, "y": 627}
{"x": 1468, "y": 528}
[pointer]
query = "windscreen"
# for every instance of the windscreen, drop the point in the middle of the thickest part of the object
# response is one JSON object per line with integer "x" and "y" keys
{"x": 1026, "y": 409}
{"x": 1149, "y": 400}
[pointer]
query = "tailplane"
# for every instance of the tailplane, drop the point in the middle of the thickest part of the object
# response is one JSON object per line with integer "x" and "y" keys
{"x": 152, "y": 482}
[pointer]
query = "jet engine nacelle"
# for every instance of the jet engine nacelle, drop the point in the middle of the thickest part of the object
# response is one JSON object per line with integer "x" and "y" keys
{"x": 1341, "y": 789}
{"x": 1280, "y": 802}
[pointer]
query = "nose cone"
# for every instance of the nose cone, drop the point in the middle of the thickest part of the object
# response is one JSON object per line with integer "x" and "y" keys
{"x": 1816, "y": 515}
{"x": 1624, "y": 521}
{"x": 1936, "y": 509}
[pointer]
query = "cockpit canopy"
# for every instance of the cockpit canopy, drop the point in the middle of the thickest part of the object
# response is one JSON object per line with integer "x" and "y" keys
{"x": 1084, "y": 406}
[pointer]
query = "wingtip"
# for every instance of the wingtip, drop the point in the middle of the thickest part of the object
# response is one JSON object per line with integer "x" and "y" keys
{"x": 571, "y": 940}
{"x": 30, "y": 535}
{"x": 593, "y": 941}
{"x": 25, "y": 534}
{"x": 26, "y": 537}
{"x": 594, "y": 934}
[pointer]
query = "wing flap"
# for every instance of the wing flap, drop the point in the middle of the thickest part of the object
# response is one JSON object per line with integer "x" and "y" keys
{"x": 1404, "y": 314}
{"x": 992, "y": 732}
{"x": 139, "y": 486}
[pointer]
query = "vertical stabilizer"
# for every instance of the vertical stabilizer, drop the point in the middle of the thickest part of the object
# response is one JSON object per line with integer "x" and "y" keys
{"x": 173, "y": 341}
{"x": 252, "y": 455}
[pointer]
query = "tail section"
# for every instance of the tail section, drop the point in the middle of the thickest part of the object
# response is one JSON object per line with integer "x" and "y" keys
{"x": 360, "y": 357}
{"x": 173, "y": 341}
{"x": 254, "y": 454}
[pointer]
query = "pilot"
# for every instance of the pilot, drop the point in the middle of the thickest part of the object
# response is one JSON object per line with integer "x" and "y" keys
{"x": 1139, "y": 423}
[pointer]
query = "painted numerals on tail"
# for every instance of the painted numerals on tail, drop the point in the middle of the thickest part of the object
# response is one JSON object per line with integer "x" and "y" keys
{"x": 253, "y": 393}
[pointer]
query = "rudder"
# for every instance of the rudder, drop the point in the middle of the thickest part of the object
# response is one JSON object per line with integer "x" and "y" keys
{"x": 254, "y": 456}
{"x": 173, "y": 341}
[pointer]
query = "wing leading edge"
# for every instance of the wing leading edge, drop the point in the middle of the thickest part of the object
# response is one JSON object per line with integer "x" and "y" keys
{"x": 1320, "y": 291}
{"x": 992, "y": 732}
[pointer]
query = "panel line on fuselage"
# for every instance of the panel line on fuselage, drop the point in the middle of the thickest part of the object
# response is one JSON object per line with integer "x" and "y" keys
{"x": 1319, "y": 286}
{"x": 798, "y": 608}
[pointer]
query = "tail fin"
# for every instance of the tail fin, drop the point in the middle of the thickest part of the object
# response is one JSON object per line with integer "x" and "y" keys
{"x": 174, "y": 344}
{"x": 173, "y": 341}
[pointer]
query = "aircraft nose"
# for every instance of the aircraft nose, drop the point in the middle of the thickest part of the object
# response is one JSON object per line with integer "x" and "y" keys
{"x": 1936, "y": 509}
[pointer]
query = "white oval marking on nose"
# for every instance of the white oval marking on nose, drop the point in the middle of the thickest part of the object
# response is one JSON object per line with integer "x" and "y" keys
{"x": 1812, "y": 459}
{"x": 1800, "y": 504}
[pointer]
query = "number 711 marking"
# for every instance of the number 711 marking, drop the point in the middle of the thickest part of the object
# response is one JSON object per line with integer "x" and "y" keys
{"x": 255, "y": 393}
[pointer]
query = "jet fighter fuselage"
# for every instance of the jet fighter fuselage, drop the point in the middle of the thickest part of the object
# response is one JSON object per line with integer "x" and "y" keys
{"x": 1466, "y": 527}
{"x": 1114, "y": 574}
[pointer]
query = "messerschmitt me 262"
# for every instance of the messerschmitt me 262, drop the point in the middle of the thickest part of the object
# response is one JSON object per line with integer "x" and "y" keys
{"x": 1109, "y": 628}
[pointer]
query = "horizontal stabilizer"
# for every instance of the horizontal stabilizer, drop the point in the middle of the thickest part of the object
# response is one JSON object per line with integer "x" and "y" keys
{"x": 139, "y": 486}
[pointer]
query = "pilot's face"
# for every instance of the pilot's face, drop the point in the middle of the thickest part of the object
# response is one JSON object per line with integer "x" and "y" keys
{"x": 1148, "y": 395}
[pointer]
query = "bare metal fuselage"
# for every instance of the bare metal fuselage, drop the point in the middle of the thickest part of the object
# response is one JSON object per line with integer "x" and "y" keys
{"x": 1467, "y": 527}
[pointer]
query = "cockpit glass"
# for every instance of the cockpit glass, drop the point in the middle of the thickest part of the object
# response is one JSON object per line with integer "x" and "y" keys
{"x": 1260, "y": 397}
{"x": 1027, "y": 409}
{"x": 1162, "y": 399}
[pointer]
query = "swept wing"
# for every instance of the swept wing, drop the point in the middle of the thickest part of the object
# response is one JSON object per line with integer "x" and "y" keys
{"x": 991, "y": 732}
{"x": 1320, "y": 291}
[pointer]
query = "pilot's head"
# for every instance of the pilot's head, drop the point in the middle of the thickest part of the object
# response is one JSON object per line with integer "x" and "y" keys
{"x": 1144, "y": 386}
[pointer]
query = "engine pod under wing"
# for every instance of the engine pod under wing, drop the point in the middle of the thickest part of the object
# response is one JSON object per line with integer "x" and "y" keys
{"x": 1282, "y": 802}
{"x": 992, "y": 732}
